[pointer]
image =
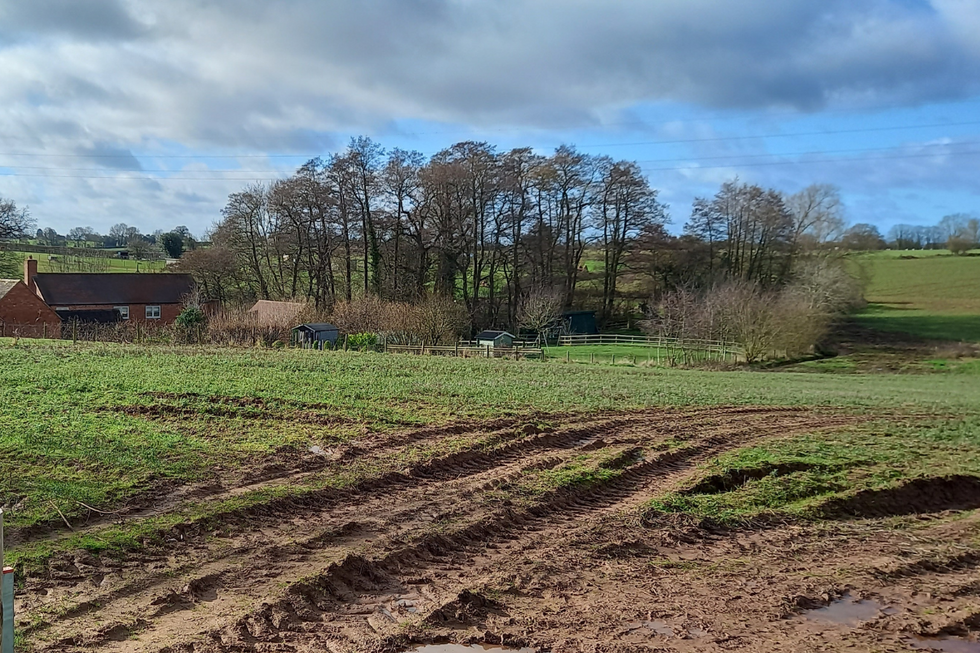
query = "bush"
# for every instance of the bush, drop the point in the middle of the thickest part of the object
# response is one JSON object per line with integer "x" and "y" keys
{"x": 190, "y": 317}
{"x": 786, "y": 322}
{"x": 362, "y": 341}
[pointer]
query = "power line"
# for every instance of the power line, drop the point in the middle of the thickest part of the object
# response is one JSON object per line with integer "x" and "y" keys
{"x": 714, "y": 139}
{"x": 668, "y": 160}
{"x": 672, "y": 168}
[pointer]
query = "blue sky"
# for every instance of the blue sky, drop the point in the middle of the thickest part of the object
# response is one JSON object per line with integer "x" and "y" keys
{"x": 151, "y": 113}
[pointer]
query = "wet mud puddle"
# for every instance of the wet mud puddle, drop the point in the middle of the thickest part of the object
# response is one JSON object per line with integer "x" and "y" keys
{"x": 949, "y": 644}
{"x": 459, "y": 648}
{"x": 848, "y": 611}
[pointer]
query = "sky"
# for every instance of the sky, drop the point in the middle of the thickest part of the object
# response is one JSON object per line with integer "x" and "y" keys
{"x": 152, "y": 112}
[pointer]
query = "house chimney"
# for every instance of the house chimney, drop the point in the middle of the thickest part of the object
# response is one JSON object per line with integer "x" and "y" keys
{"x": 30, "y": 271}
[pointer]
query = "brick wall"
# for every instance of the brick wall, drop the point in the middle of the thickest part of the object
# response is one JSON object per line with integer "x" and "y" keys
{"x": 23, "y": 314}
{"x": 137, "y": 312}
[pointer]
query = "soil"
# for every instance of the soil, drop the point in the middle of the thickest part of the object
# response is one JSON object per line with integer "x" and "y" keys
{"x": 432, "y": 555}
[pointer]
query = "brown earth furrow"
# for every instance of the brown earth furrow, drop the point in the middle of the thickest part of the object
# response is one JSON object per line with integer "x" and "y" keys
{"x": 437, "y": 554}
{"x": 494, "y": 461}
{"x": 435, "y": 485}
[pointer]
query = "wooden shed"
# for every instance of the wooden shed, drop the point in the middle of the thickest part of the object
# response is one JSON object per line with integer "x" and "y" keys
{"x": 494, "y": 339}
{"x": 315, "y": 334}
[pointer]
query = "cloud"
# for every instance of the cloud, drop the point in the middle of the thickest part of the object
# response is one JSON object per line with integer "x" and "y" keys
{"x": 123, "y": 76}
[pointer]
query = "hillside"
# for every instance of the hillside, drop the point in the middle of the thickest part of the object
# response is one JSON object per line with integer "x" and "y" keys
{"x": 929, "y": 294}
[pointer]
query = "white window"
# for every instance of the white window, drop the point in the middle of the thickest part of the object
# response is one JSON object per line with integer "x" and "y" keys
{"x": 123, "y": 312}
{"x": 153, "y": 312}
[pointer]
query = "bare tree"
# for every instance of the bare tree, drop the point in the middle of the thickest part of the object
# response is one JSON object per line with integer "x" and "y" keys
{"x": 540, "y": 309}
{"x": 14, "y": 222}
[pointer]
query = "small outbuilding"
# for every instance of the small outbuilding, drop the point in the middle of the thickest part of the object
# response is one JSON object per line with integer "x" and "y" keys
{"x": 494, "y": 339}
{"x": 580, "y": 322}
{"x": 315, "y": 334}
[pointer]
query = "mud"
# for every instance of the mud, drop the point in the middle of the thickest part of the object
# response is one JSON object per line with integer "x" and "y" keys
{"x": 447, "y": 551}
{"x": 921, "y": 495}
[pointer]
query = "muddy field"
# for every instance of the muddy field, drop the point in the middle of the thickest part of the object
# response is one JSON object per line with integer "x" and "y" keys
{"x": 522, "y": 536}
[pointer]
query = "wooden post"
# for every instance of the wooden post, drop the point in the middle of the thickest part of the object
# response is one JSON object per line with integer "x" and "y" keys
{"x": 488, "y": 351}
{"x": 568, "y": 355}
{"x": 592, "y": 358}
{"x": 6, "y": 600}
{"x": 456, "y": 352}
{"x": 384, "y": 342}
{"x": 44, "y": 330}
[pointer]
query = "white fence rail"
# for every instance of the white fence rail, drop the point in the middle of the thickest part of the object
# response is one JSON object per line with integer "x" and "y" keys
{"x": 647, "y": 341}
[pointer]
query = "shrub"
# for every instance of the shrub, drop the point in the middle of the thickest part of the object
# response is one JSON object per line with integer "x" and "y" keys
{"x": 362, "y": 341}
{"x": 191, "y": 316}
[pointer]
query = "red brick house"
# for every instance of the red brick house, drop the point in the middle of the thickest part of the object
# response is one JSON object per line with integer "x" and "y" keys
{"x": 95, "y": 297}
{"x": 23, "y": 314}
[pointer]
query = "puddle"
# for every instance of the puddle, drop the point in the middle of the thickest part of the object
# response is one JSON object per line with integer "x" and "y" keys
{"x": 659, "y": 627}
{"x": 949, "y": 644}
{"x": 847, "y": 611}
{"x": 459, "y": 648}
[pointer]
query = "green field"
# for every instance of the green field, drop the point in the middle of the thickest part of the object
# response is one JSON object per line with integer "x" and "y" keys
{"x": 73, "y": 425}
{"x": 44, "y": 264}
{"x": 929, "y": 294}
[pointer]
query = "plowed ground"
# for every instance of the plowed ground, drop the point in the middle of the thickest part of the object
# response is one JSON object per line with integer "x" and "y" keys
{"x": 517, "y": 534}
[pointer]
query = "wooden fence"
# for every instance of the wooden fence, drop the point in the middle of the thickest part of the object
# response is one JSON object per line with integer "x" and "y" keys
{"x": 463, "y": 351}
{"x": 669, "y": 350}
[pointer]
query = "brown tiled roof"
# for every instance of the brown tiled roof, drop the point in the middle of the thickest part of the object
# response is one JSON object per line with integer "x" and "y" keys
{"x": 265, "y": 310}
{"x": 6, "y": 285}
{"x": 74, "y": 289}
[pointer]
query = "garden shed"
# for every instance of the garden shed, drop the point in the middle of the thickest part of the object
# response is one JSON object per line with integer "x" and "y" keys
{"x": 494, "y": 339}
{"x": 316, "y": 334}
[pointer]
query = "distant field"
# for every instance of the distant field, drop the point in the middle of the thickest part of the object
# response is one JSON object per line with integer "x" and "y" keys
{"x": 930, "y": 294}
{"x": 45, "y": 264}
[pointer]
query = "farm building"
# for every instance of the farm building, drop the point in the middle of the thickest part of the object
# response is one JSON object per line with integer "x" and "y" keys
{"x": 315, "y": 333}
{"x": 494, "y": 339}
{"x": 93, "y": 297}
{"x": 269, "y": 313}
{"x": 23, "y": 314}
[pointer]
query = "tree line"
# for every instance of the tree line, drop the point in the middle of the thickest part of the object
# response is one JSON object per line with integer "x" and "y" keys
{"x": 491, "y": 228}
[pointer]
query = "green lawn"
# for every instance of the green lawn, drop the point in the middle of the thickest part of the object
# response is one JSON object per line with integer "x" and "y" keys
{"x": 930, "y": 294}
{"x": 609, "y": 354}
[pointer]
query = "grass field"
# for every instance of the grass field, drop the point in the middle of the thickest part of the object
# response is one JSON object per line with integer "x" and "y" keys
{"x": 72, "y": 415}
{"x": 44, "y": 264}
{"x": 930, "y": 294}
{"x": 180, "y": 469}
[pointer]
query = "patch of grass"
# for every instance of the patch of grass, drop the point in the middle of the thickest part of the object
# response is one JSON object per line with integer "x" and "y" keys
{"x": 934, "y": 324}
{"x": 828, "y": 465}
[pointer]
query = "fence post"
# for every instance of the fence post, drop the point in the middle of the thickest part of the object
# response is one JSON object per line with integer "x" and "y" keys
{"x": 456, "y": 353}
{"x": 6, "y": 600}
{"x": 568, "y": 355}
{"x": 592, "y": 358}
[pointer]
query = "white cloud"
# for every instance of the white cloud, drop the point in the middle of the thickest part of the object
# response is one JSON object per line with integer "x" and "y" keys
{"x": 235, "y": 75}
